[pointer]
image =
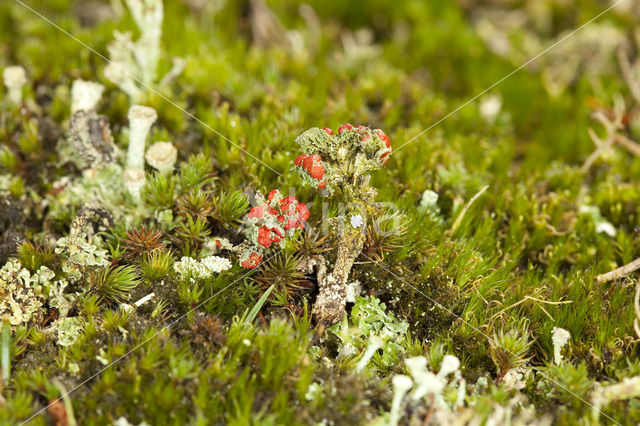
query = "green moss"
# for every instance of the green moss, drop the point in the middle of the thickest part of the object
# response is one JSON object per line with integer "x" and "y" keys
{"x": 522, "y": 260}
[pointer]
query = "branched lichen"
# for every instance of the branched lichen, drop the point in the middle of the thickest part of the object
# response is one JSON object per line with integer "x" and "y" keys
{"x": 133, "y": 65}
{"x": 368, "y": 320}
{"x": 80, "y": 250}
{"x": 341, "y": 164}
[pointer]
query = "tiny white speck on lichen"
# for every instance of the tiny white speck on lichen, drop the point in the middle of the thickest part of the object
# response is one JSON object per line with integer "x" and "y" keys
{"x": 357, "y": 221}
{"x": 353, "y": 290}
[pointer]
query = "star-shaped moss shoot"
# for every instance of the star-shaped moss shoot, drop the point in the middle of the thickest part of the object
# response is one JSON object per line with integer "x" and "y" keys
{"x": 340, "y": 165}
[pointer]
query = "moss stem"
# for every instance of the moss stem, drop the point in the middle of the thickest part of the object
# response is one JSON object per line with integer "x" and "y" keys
{"x": 6, "y": 347}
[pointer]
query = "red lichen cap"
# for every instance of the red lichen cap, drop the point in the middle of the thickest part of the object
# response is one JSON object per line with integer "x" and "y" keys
{"x": 252, "y": 262}
{"x": 264, "y": 237}
{"x": 277, "y": 230}
{"x": 291, "y": 224}
{"x": 345, "y": 126}
{"x": 328, "y": 130}
{"x": 384, "y": 158}
{"x": 299, "y": 160}
{"x": 287, "y": 203}
{"x": 303, "y": 212}
{"x": 307, "y": 162}
{"x": 275, "y": 191}
{"x": 383, "y": 137}
{"x": 316, "y": 171}
{"x": 256, "y": 212}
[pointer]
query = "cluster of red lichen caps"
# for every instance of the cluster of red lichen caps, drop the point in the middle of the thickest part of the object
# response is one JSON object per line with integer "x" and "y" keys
{"x": 314, "y": 167}
{"x": 271, "y": 222}
{"x": 312, "y": 164}
{"x": 378, "y": 132}
{"x": 252, "y": 261}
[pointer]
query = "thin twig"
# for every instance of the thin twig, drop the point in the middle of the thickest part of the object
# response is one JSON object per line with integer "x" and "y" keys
{"x": 458, "y": 221}
{"x": 627, "y": 73}
{"x": 636, "y": 306}
{"x": 620, "y": 272}
{"x": 631, "y": 146}
{"x": 562, "y": 302}
{"x": 427, "y": 417}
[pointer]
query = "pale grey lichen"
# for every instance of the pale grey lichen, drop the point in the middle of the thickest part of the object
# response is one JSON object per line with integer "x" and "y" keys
{"x": 369, "y": 319}
{"x": 401, "y": 385}
{"x": 20, "y": 291}
{"x": 80, "y": 250}
{"x": 560, "y": 337}
{"x": 57, "y": 298}
{"x": 627, "y": 389}
{"x": 188, "y": 267}
{"x": 162, "y": 156}
{"x": 141, "y": 118}
{"x": 85, "y": 95}
{"x": 134, "y": 180}
{"x": 426, "y": 387}
{"x": 90, "y": 136}
{"x": 68, "y": 330}
{"x": 104, "y": 187}
{"x": 133, "y": 65}
{"x": 516, "y": 378}
{"x": 14, "y": 78}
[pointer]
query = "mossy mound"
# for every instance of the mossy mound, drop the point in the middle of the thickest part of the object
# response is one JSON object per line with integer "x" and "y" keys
{"x": 177, "y": 301}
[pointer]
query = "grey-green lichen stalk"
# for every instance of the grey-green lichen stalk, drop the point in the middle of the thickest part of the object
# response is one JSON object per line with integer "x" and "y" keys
{"x": 340, "y": 164}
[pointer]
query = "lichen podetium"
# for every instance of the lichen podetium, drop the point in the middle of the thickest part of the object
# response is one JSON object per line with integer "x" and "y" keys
{"x": 340, "y": 165}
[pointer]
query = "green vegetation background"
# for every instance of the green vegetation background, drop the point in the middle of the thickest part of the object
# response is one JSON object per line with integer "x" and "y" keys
{"x": 523, "y": 237}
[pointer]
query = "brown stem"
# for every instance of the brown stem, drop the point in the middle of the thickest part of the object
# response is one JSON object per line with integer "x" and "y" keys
{"x": 620, "y": 272}
{"x": 432, "y": 406}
